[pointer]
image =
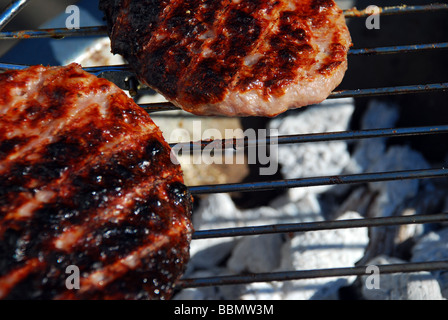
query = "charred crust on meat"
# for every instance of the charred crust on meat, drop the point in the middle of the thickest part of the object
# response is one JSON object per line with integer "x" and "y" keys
{"x": 328, "y": 68}
{"x": 322, "y": 4}
{"x": 195, "y": 53}
{"x": 116, "y": 240}
{"x": 86, "y": 179}
{"x": 62, "y": 150}
{"x": 9, "y": 249}
{"x": 7, "y": 146}
{"x": 154, "y": 148}
{"x": 179, "y": 193}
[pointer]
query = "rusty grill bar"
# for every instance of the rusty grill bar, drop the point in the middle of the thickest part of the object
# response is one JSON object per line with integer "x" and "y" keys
{"x": 310, "y": 274}
{"x": 317, "y": 137}
{"x": 318, "y": 226}
{"x": 320, "y": 181}
{"x": 11, "y": 11}
{"x": 355, "y": 93}
{"x": 59, "y": 33}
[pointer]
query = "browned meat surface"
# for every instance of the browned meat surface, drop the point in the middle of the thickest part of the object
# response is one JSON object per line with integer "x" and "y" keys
{"x": 233, "y": 57}
{"x": 86, "y": 180}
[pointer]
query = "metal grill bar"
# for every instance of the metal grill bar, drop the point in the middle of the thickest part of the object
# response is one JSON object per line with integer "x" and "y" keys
{"x": 10, "y": 66}
{"x": 398, "y": 49}
{"x": 159, "y": 106}
{"x": 102, "y": 69}
{"x": 354, "y": 52}
{"x": 59, "y": 33}
{"x": 359, "y": 93}
{"x": 314, "y": 137}
{"x": 55, "y": 33}
{"x": 310, "y": 274}
{"x": 361, "y": 134}
{"x": 320, "y": 181}
{"x": 11, "y": 11}
{"x": 356, "y": 93}
{"x": 93, "y": 70}
{"x": 318, "y": 226}
{"x": 394, "y": 10}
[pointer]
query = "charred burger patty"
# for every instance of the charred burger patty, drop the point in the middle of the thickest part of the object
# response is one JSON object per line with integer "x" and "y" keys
{"x": 233, "y": 57}
{"x": 86, "y": 184}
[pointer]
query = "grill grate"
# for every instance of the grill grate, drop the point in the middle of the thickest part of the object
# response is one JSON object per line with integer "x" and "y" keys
{"x": 16, "y": 6}
{"x": 309, "y": 274}
{"x": 320, "y": 181}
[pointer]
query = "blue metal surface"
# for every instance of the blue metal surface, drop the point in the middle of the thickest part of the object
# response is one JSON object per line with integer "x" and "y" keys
{"x": 49, "y": 51}
{"x": 320, "y": 225}
{"x": 92, "y": 24}
{"x": 310, "y": 274}
{"x": 393, "y": 10}
{"x": 320, "y": 181}
{"x": 11, "y": 11}
{"x": 357, "y": 93}
{"x": 16, "y": 6}
{"x": 397, "y": 49}
{"x": 318, "y": 137}
{"x": 55, "y": 33}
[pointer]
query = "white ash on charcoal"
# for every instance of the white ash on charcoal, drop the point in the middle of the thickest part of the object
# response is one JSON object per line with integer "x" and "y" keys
{"x": 324, "y": 249}
{"x": 314, "y": 159}
{"x": 394, "y": 193}
{"x": 328, "y": 248}
{"x": 205, "y": 293}
{"x": 433, "y": 246}
{"x": 256, "y": 254}
{"x": 218, "y": 211}
{"x": 263, "y": 253}
{"x": 399, "y": 286}
{"x": 272, "y": 253}
{"x": 310, "y": 251}
{"x": 225, "y": 256}
{"x": 369, "y": 151}
{"x": 366, "y": 152}
{"x": 389, "y": 198}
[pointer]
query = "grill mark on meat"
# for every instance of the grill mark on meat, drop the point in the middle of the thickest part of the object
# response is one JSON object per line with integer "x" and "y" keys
{"x": 139, "y": 261}
{"x": 237, "y": 31}
{"x": 9, "y": 145}
{"x": 8, "y": 283}
{"x": 97, "y": 179}
{"x": 209, "y": 15}
{"x": 320, "y": 5}
{"x": 95, "y": 187}
{"x": 233, "y": 57}
{"x": 185, "y": 29}
{"x": 286, "y": 54}
{"x": 35, "y": 124}
{"x": 170, "y": 55}
{"x": 101, "y": 182}
{"x": 246, "y": 78}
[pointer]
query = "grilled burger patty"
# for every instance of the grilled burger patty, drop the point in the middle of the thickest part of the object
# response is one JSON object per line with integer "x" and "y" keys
{"x": 86, "y": 183}
{"x": 232, "y": 57}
